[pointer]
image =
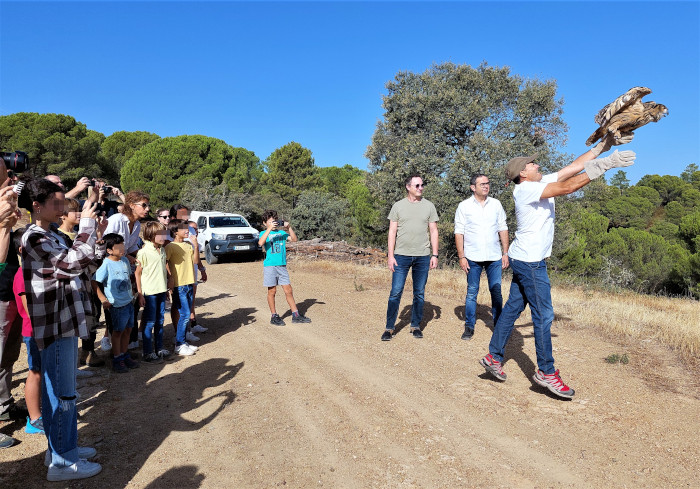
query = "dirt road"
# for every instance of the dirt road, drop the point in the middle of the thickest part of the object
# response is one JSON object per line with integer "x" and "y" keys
{"x": 329, "y": 405}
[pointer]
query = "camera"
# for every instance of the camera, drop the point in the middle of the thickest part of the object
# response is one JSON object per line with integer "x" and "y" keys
{"x": 17, "y": 161}
{"x": 107, "y": 189}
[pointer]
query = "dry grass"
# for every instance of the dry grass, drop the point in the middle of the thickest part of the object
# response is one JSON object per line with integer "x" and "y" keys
{"x": 673, "y": 322}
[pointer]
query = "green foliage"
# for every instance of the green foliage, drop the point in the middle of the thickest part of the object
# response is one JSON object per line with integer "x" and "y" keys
{"x": 321, "y": 215}
{"x": 689, "y": 230}
{"x": 617, "y": 358}
{"x": 629, "y": 211}
{"x": 56, "y": 144}
{"x": 674, "y": 212}
{"x": 245, "y": 172}
{"x": 366, "y": 229}
{"x": 163, "y": 167}
{"x": 338, "y": 180}
{"x": 454, "y": 120}
{"x": 118, "y": 147}
{"x": 206, "y": 195}
{"x": 643, "y": 192}
{"x": 290, "y": 171}
{"x": 668, "y": 186}
{"x": 666, "y": 230}
{"x": 620, "y": 181}
{"x": 646, "y": 256}
{"x": 691, "y": 175}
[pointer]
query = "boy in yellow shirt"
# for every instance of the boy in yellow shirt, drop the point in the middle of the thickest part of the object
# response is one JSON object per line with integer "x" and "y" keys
{"x": 181, "y": 257}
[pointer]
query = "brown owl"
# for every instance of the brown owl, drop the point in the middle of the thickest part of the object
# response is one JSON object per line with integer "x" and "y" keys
{"x": 626, "y": 114}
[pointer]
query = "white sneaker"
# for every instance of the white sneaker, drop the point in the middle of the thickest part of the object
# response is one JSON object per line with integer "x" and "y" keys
{"x": 82, "y": 469}
{"x": 163, "y": 353}
{"x": 133, "y": 345}
{"x": 82, "y": 374}
{"x": 192, "y": 347}
{"x": 83, "y": 452}
{"x": 190, "y": 337}
{"x": 184, "y": 350}
{"x": 199, "y": 329}
{"x": 105, "y": 343}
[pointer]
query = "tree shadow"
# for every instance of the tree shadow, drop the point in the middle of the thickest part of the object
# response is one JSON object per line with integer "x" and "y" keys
{"x": 121, "y": 427}
{"x": 221, "y": 325}
{"x": 303, "y": 306}
{"x": 200, "y": 301}
{"x": 183, "y": 477}
{"x": 430, "y": 312}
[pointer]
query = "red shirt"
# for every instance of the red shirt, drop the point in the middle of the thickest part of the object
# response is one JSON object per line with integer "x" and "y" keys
{"x": 19, "y": 291}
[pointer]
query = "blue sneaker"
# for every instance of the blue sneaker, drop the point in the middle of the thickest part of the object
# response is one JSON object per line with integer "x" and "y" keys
{"x": 34, "y": 427}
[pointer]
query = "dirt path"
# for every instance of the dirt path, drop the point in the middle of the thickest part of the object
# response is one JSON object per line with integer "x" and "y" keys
{"x": 329, "y": 405}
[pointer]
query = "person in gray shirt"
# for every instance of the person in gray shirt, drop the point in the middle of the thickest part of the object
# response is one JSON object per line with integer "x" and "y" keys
{"x": 413, "y": 244}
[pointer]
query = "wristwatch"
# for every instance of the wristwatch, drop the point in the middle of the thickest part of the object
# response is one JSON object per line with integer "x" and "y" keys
{"x": 435, "y": 256}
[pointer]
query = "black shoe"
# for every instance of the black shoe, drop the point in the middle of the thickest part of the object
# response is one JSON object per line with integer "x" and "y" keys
{"x": 468, "y": 333}
{"x": 386, "y": 335}
{"x": 14, "y": 412}
{"x": 276, "y": 320}
{"x": 300, "y": 319}
{"x": 417, "y": 333}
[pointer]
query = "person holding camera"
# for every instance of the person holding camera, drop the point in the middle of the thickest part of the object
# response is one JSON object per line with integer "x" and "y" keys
{"x": 275, "y": 273}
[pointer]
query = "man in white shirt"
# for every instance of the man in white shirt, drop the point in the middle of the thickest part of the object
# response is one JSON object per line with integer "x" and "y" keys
{"x": 479, "y": 223}
{"x": 534, "y": 210}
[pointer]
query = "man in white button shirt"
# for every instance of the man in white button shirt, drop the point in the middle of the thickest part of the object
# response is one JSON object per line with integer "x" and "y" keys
{"x": 534, "y": 210}
{"x": 479, "y": 223}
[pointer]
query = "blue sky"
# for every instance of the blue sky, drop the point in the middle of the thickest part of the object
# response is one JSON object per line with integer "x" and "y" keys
{"x": 261, "y": 74}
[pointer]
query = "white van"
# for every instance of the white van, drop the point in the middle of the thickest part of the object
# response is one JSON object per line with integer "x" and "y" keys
{"x": 222, "y": 233}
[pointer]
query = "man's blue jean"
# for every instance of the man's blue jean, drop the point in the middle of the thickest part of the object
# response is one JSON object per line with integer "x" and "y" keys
{"x": 58, "y": 399}
{"x": 530, "y": 286}
{"x": 493, "y": 275}
{"x": 153, "y": 315}
{"x": 419, "y": 265}
{"x": 182, "y": 301}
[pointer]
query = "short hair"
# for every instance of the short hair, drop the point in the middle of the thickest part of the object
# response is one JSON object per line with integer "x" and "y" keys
{"x": 407, "y": 182}
{"x": 133, "y": 197}
{"x": 17, "y": 238}
{"x": 112, "y": 239}
{"x": 151, "y": 230}
{"x": 176, "y": 224}
{"x": 70, "y": 205}
{"x": 162, "y": 209}
{"x": 177, "y": 207}
{"x": 475, "y": 177}
{"x": 37, "y": 190}
{"x": 270, "y": 213}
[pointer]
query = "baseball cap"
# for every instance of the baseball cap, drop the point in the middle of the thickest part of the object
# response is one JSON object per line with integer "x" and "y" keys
{"x": 516, "y": 165}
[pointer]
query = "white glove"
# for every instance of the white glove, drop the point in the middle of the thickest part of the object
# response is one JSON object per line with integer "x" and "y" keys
{"x": 609, "y": 141}
{"x": 618, "y": 159}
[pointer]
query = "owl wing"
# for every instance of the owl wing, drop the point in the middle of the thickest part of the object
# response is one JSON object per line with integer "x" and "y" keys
{"x": 628, "y": 98}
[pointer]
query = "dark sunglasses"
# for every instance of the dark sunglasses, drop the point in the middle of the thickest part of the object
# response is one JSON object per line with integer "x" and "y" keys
{"x": 419, "y": 185}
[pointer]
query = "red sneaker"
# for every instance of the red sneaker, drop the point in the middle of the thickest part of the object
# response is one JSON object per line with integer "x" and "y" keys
{"x": 493, "y": 366}
{"x": 554, "y": 383}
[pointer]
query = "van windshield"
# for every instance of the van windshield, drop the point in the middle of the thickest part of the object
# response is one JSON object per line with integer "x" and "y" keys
{"x": 227, "y": 221}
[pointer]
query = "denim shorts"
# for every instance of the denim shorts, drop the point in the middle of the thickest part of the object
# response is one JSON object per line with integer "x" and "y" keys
{"x": 122, "y": 317}
{"x": 33, "y": 355}
{"x": 275, "y": 275}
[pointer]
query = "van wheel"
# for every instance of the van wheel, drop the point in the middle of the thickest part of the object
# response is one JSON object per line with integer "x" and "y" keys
{"x": 211, "y": 259}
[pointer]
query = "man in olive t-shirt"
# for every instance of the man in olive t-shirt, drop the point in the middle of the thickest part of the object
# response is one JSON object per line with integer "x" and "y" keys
{"x": 413, "y": 244}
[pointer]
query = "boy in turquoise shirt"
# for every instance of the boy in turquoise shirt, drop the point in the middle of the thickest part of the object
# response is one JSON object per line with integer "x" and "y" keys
{"x": 275, "y": 273}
